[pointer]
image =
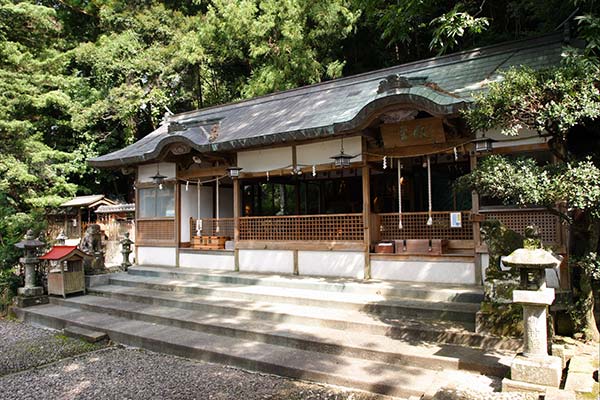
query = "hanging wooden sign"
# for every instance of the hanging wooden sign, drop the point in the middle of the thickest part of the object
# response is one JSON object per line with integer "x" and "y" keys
{"x": 415, "y": 132}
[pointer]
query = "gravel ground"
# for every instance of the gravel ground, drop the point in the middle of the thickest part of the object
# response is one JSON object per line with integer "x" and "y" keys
{"x": 126, "y": 373}
{"x": 54, "y": 367}
{"x": 24, "y": 346}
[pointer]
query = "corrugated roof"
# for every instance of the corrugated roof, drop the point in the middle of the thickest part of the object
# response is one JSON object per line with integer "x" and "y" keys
{"x": 86, "y": 201}
{"x": 129, "y": 207}
{"x": 341, "y": 105}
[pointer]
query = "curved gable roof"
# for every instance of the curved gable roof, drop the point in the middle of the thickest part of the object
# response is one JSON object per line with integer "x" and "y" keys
{"x": 441, "y": 86}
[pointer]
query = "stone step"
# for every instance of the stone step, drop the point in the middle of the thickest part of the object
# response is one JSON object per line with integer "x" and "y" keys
{"x": 84, "y": 334}
{"x": 410, "y": 330}
{"x": 373, "y": 376}
{"x": 413, "y": 290}
{"x": 303, "y": 337}
{"x": 369, "y": 303}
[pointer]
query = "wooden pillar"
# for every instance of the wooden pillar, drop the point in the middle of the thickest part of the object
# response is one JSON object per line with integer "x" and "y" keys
{"x": 79, "y": 223}
{"x": 177, "y": 221}
{"x": 366, "y": 194}
{"x": 236, "y": 222}
{"x": 295, "y": 256}
{"x": 479, "y": 249}
{"x": 136, "y": 217}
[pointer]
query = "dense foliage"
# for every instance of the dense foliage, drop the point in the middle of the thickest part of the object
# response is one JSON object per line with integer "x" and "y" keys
{"x": 80, "y": 78}
{"x": 563, "y": 104}
{"x": 523, "y": 182}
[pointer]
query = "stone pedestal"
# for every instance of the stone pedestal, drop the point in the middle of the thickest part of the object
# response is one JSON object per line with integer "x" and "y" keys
{"x": 30, "y": 291}
{"x": 28, "y": 301}
{"x": 545, "y": 371}
{"x": 535, "y": 312}
{"x": 534, "y": 367}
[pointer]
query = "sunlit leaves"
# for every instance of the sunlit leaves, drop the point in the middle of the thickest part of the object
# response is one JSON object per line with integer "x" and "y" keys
{"x": 280, "y": 44}
{"x": 452, "y": 26}
{"x": 523, "y": 182}
{"x": 549, "y": 100}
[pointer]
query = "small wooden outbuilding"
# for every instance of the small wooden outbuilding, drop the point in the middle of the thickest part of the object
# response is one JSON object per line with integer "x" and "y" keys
{"x": 74, "y": 211}
{"x": 66, "y": 273}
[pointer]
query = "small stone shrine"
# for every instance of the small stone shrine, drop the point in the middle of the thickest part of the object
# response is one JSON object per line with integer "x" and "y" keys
{"x": 533, "y": 367}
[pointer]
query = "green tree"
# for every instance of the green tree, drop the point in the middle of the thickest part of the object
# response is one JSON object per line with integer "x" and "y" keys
{"x": 276, "y": 44}
{"x": 562, "y": 103}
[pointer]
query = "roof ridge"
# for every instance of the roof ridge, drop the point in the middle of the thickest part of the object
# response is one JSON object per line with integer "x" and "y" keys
{"x": 490, "y": 49}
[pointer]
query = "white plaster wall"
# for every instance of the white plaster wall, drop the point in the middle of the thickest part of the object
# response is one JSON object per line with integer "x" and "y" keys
{"x": 485, "y": 263}
{"x": 345, "y": 264}
{"x": 226, "y": 202}
{"x": 156, "y": 256}
{"x": 321, "y": 152}
{"x": 145, "y": 172}
{"x": 264, "y": 159}
{"x": 206, "y": 202}
{"x": 280, "y": 261}
{"x": 525, "y": 137}
{"x": 189, "y": 208}
{"x": 207, "y": 261}
{"x": 424, "y": 271}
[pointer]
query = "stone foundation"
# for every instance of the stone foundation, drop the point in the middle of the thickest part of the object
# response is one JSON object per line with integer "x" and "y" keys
{"x": 545, "y": 371}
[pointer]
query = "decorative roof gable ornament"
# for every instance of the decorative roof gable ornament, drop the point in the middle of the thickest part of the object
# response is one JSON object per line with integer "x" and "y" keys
{"x": 175, "y": 126}
{"x": 214, "y": 133}
{"x": 397, "y": 81}
{"x": 180, "y": 148}
{"x": 393, "y": 82}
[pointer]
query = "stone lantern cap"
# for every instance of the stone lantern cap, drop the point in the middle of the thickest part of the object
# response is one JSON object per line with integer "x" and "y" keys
{"x": 29, "y": 241}
{"x": 531, "y": 259}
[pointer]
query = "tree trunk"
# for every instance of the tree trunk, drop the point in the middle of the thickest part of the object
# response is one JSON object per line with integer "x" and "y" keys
{"x": 587, "y": 235}
{"x": 590, "y": 329}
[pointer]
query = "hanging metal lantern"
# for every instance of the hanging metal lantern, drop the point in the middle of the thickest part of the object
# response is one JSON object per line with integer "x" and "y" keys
{"x": 158, "y": 179}
{"x": 483, "y": 144}
{"x": 342, "y": 159}
{"x": 234, "y": 172}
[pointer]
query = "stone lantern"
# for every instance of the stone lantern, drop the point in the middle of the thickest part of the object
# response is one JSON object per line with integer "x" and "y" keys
{"x": 30, "y": 294}
{"x": 534, "y": 365}
{"x": 126, "y": 251}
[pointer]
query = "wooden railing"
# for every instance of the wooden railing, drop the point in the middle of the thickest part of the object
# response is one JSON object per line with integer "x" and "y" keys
{"x": 221, "y": 227}
{"x": 414, "y": 226}
{"x": 156, "y": 231}
{"x": 518, "y": 219}
{"x": 350, "y": 227}
{"x": 324, "y": 227}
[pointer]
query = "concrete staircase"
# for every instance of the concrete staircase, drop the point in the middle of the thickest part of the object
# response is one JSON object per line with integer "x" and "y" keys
{"x": 394, "y": 338}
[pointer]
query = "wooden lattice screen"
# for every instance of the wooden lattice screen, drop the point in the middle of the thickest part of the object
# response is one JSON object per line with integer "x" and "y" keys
{"x": 221, "y": 227}
{"x": 160, "y": 231}
{"x": 328, "y": 227}
{"x": 518, "y": 220}
{"x": 414, "y": 226}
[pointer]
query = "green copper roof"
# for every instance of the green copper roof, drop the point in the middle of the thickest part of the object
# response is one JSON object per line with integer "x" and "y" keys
{"x": 441, "y": 86}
